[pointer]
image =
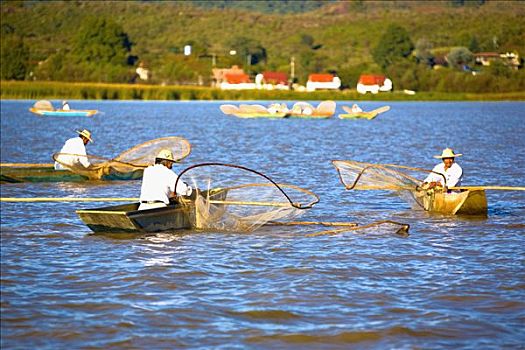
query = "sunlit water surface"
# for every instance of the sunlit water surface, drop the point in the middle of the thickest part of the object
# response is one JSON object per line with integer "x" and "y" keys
{"x": 453, "y": 283}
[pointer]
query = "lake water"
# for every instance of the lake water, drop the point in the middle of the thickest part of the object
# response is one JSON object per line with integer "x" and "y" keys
{"x": 453, "y": 283}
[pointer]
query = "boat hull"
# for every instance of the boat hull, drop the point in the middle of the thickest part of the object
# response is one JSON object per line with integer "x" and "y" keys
{"x": 456, "y": 203}
{"x": 126, "y": 218}
{"x": 22, "y": 172}
{"x": 36, "y": 173}
{"x": 362, "y": 115}
{"x": 259, "y": 115}
{"x": 60, "y": 113}
{"x": 312, "y": 116}
{"x": 359, "y": 115}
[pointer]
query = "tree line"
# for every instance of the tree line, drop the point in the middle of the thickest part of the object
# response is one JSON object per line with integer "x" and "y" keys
{"x": 106, "y": 48}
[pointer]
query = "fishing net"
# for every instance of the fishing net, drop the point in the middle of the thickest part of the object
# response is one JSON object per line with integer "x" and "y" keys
{"x": 44, "y": 105}
{"x": 128, "y": 165}
{"x": 253, "y": 109}
{"x": 367, "y": 176}
{"x": 234, "y": 198}
{"x": 145, "y": 153}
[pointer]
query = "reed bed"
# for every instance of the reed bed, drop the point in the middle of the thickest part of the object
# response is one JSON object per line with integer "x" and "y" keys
{"x": 104, "y": 91}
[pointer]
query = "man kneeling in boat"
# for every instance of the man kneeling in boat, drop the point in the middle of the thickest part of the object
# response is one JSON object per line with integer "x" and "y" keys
{"x": 451, "y": 171}
{"x": 158, "y": 183}
{"x": 74, "y": 151}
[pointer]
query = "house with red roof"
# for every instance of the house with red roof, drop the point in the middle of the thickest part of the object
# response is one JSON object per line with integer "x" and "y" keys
{"x": 373, "y": 83}
{"x": 232, "y": 78}
{"x": 322, "y": 81}
{"x": 272, "y": 81}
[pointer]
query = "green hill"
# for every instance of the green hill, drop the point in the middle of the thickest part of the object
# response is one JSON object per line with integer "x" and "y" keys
{"x": 334, "y": 36}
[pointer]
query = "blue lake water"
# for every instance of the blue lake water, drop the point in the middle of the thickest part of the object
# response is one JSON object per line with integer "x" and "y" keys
{"x": 454, "y": 282}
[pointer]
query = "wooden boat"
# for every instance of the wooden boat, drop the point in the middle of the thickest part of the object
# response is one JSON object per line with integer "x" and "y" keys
{"x": 127, "y": 218}
{"x": 62, "y": 113}
{"x": 472, "y": 202}
{"x": 362, "y": 115}
{"x": 24, "y": 172}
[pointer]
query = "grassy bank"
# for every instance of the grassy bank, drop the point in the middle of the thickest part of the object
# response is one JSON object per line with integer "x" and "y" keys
{"x": 99, "y": 91}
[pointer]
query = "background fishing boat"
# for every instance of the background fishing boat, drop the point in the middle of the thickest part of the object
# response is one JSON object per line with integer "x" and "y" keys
{"x": 61, "y": 113}
{"x": 45, "y": 108}
{"x": 362, "y": 115}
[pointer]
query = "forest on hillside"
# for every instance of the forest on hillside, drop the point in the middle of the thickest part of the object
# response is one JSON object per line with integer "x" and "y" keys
{"x": 91, "y": 41}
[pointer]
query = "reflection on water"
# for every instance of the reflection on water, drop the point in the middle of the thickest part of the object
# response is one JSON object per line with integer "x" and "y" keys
{"x": 455, "y": 282}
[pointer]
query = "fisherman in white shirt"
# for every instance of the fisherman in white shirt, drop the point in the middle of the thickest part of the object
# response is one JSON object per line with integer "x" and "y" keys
{"x": 158, "y": 183}
{"x": 74, "y": 151}
{"x": 356, "y": 108}
{"x": 450, "y": 170}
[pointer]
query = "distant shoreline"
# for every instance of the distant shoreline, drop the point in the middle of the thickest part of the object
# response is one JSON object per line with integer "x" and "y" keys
{"x": 103, "y": 91}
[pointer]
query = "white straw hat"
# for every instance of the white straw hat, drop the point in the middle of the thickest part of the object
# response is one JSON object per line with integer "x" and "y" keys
{"x": 166, "y": 154}
{"x": 86, "y": 133}
{"x": 448, "y": 153}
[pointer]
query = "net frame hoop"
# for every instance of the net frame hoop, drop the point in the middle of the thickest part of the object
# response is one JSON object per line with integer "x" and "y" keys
{"x": 295, "y": 205}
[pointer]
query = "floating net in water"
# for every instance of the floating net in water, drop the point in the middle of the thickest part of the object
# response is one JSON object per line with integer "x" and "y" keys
{"x": 234, "y": 198}
{"x": 367, "y": 176}
{"x": 128, "y": 165}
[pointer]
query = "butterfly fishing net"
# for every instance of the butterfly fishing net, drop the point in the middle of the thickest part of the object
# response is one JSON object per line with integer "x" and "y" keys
{"x": 367, "y": 176}
{"x": 44, "y": 105}
{"x": 233, "y": 198}
{"x": 128, "y": 165}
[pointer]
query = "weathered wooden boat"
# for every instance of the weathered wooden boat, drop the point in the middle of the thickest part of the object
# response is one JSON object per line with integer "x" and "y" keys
{"x": 180, "y": 215}
{"x": 127, "y": 218}
{"x": 25, "y": 172}
{"x": 22, "y": 172}
{"x": 471, "y": 202}
{"x": 62, "y": 113}
{"x": 311, "y": 116}
{"x": 362, "y": 115}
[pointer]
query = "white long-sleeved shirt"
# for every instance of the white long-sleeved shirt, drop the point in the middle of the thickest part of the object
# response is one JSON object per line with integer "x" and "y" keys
{"x": 74, "y": 152}
{"x": 158, "y": 184}
{"x": 453, "y": 175}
